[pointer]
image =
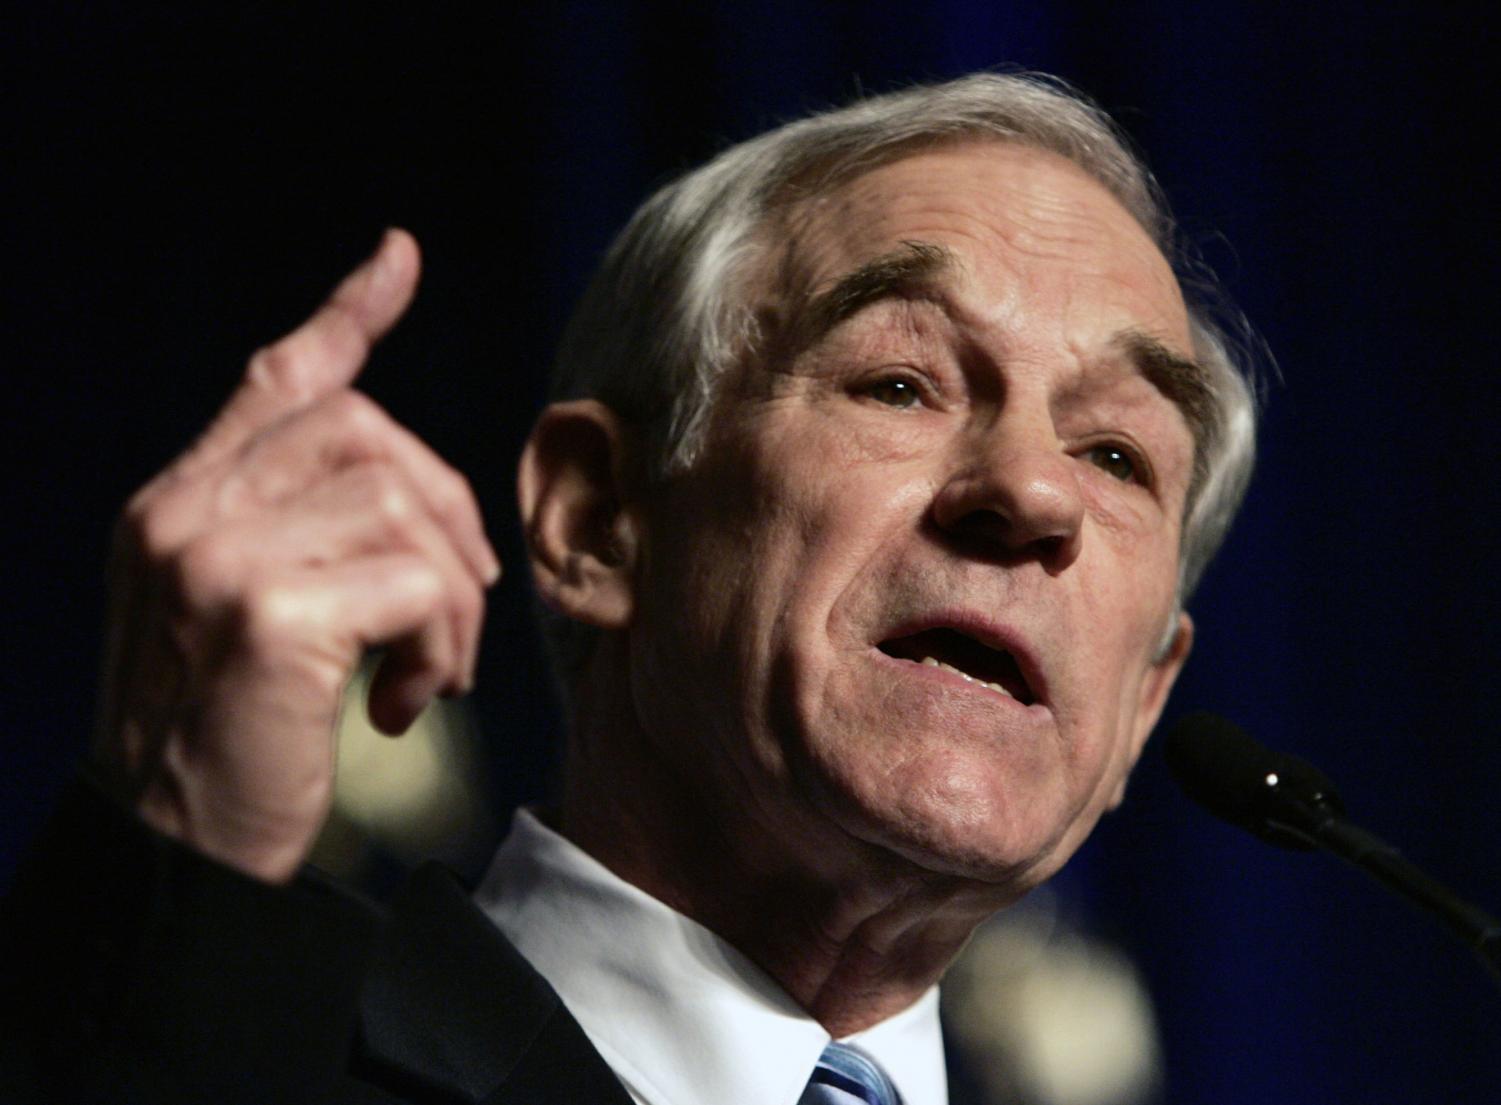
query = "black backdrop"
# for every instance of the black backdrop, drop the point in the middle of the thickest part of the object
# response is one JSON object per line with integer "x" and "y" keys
{"x": 179, "y": 187}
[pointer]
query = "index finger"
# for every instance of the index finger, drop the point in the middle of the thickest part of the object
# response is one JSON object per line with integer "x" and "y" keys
{"x": 322, "y": 355}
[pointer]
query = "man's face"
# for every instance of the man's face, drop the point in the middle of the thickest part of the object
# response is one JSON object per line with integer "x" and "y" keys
{"x": 948, "y": 459}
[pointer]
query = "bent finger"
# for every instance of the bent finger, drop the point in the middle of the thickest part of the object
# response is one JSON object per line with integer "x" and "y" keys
{"x": 390, "y": 600}
{"x": 348, "y": 430}
{"x": 404, "y": 684}
{"x": 367, "y": 510}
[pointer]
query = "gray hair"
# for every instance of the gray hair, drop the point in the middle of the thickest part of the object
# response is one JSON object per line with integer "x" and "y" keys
{"x": 665, "y": 316}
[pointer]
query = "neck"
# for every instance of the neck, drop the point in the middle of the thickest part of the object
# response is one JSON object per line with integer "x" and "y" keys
{"x": 854, "y": 934}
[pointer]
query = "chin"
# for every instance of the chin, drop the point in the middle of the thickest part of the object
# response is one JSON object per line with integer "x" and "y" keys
{"x": 956, "y": 826}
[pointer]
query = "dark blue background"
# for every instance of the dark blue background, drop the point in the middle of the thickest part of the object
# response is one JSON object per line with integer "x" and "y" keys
{"x": 180, "y": 187}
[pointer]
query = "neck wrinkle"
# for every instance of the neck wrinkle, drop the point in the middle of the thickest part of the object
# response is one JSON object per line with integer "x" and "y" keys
{"x": 852, "y": 943}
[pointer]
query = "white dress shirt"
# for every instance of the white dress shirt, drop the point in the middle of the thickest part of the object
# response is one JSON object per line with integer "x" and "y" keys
{"x": 680, "y": 1016}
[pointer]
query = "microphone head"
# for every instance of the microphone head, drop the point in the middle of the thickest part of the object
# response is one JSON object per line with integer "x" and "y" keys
{"x": 1240, "y": 780}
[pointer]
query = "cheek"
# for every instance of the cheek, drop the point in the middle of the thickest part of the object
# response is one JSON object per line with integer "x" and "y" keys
{"x": 1124, "y": 516}
{"x": 1121, "y": 618}
{"x": 827, "y": 496}
{"x": 750, "y": 556}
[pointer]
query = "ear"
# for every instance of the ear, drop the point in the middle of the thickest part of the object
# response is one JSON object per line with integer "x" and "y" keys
{"x": 580, "y": 539}
{"x": 1155, "y": 685}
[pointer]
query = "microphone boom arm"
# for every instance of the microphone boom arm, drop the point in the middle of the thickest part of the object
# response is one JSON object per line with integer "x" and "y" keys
{"x": 1325, "y": 828}
{"x": 1290, "y": 803}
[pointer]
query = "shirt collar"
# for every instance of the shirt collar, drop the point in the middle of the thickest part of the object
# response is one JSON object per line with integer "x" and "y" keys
{"x": 680, "y": 1015}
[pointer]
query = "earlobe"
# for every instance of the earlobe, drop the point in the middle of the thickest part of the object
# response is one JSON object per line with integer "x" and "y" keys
{"x": 581, "y": 538}
{"x": 1156, "y": 685}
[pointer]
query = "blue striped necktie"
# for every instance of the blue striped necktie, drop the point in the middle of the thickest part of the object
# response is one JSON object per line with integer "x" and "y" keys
{"x": 847, "y": 1076}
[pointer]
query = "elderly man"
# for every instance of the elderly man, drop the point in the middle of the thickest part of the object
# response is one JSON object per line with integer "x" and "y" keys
{"x": 885, "y": 450}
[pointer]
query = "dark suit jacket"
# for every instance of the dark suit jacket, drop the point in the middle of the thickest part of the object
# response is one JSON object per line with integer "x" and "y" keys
{"x": 138, "y": 971}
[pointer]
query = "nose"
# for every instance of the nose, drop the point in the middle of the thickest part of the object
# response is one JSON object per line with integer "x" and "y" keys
{"x": 1014, "y": 492}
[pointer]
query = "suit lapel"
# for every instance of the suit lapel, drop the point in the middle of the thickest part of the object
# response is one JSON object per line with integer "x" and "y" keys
{"x": 451, "y": 1005}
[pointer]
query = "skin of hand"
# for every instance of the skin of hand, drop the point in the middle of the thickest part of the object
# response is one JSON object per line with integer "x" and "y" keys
{"x": 303, "y": 527}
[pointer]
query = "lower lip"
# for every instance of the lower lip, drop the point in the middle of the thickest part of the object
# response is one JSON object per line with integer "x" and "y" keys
{"x": 944, "y": 677}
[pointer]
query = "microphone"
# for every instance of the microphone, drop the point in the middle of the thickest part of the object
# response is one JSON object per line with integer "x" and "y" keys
{"x": 1290, "y": 803}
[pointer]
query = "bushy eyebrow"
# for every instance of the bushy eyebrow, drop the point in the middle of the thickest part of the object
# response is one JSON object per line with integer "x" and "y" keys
{"x": 914, "y": 268}
{"x": 1184, "y": 381}
{"x": 909, "y": 270}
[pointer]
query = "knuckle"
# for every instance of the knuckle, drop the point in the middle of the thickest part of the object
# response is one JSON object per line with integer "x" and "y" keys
{"x": 204, "y": 572}
{"x": 134, "y": 530}
{"x": 272, "y": 615}
{"x": 138, "y": 505}
{"x": 454, "y": 496}
{"x": 354, "y": 414}
{"x": 391, "y": 498}
{"x": 149, "y": 528}
{"x": 277, "y": 368}
{"x": 424, "y": 590}
{"x": 427, "y": 583}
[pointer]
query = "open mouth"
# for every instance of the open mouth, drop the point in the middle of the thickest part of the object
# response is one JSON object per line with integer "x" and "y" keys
{"x": 961, "y": 654}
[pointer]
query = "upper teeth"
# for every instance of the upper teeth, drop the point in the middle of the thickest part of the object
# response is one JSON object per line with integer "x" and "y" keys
{"x": 929, "y": 661}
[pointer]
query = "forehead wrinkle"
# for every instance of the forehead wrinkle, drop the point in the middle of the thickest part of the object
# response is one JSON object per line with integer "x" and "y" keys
{"x": 800, "y": 304}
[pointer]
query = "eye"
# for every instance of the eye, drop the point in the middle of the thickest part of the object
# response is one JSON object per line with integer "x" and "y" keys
{"x": 1117, "y": 462}
{"x": 894, "y": 392}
